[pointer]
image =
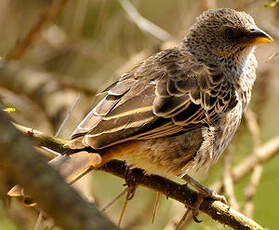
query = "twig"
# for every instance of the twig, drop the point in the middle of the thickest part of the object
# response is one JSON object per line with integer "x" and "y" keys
{"x": 19, "y": 50}
{"x": 228, "y": 181}
{"x": 67, "y": 116}
{"x": 251, "y": 188}
{"x": 44, "y": 140}
{"x": 253, "y": 127}
{"x": 263, "y": 154}
{"x": 217, "y": 210}
{"x": 143, "y": 23}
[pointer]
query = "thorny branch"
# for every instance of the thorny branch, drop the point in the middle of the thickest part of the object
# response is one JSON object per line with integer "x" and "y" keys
{"x": 261, "y": 153}
{"x": 217, "y": 210}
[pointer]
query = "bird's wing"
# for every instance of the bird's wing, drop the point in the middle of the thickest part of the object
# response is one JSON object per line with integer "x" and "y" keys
{"x": 167, "y": 94}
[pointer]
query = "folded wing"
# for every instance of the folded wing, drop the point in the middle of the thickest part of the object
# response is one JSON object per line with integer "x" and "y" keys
{"x": 165, "y": 95}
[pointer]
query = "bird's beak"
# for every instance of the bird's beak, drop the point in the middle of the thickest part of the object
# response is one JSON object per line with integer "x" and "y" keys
{"x": 257, "y": 36}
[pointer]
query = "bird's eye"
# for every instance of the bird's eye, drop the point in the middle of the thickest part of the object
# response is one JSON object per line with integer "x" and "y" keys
{"x": 229, "y": 33}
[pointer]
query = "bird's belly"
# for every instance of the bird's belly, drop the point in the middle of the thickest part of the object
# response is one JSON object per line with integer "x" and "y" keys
{"x": 162, "y": 156}
{"x": 216, "y": 138}
{"x": 230, "y": 126}
{"x": 177, "y": 155}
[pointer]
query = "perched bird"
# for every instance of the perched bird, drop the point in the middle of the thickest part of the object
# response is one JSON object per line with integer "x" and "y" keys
{"x": 177, "y": 110}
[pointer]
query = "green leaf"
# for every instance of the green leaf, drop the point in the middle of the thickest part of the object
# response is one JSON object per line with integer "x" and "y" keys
{"x": 271, "y": 4}
{"x": 10, "y": 110}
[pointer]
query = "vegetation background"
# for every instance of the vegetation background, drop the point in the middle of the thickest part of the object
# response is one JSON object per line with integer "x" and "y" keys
{"x": 89, "y": 45}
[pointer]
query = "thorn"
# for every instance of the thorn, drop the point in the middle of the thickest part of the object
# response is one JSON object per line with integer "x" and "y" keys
{"x": 124, "y": 206}
{"x": 156, "y": 205}
{"x": 182, "y": 220}
{"x": 109, "y": 204}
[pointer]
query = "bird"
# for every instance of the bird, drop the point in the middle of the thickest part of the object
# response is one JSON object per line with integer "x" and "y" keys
{"x": 176, "y": 111}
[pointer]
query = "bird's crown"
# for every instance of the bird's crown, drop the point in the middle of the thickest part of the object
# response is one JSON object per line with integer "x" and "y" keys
{"x": 213, "y": 18}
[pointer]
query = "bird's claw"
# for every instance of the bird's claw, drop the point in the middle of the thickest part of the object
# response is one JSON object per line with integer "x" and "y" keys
{"x": 218, "y": 197}
{"x": 131, "y": 183}
{"x": 195, "y": 210}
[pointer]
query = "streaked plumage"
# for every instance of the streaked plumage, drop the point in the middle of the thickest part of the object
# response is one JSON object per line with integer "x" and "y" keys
{"x": 179, "y": 109}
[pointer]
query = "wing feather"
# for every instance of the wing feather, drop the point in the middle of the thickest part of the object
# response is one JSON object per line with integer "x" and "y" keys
{"x": 167, "y": 94}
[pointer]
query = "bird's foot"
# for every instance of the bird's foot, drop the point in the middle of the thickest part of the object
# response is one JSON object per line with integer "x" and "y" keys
{"x": 203, "y": 190}
{"x": 130, "y": 182}
{"x": 190, "y": 210}
{"x": 196, "y": 208}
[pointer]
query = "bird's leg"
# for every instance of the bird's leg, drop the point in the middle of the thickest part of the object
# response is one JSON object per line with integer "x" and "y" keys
{"x": 204, "y": 192}
{"x": 131, "y": 183}
{"x": 195, "y": 210}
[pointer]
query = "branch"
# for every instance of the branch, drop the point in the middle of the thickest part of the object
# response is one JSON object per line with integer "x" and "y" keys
{"x": 256, "y": 175}
{"x": 228, "y": 182}
{"x": 46, "y": 89}
{"x": 215, "y": 209}
{"x": 19, "y": 50}
{"x": 17, "y": 77}
{"x": 143, "y": 23}
{"x": 21, "y": 162}
{"x": 263, "y": 154}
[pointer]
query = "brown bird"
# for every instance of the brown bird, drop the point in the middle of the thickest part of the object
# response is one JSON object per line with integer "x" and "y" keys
{"x": 177, "y": 110}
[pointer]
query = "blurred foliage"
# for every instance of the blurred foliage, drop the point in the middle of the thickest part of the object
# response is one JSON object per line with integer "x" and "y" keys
{"x": 9, "y": 110}
{"x": 271, "y": 4}
{"x": 86, "y": 48}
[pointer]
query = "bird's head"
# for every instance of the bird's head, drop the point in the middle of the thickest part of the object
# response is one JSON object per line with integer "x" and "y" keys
{"x": 225, "y": 33}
